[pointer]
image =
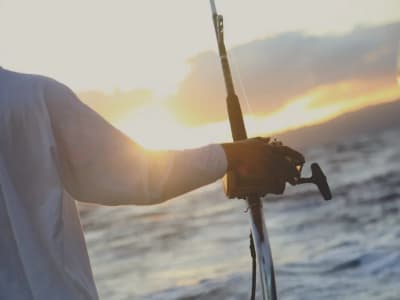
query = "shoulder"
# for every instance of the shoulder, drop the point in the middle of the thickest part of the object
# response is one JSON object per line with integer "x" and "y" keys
{"x": 55, "y": 90}
{"x": 35, "y": 82}
{"x": 30, "y": 91}
{"x": 27, "y": 87}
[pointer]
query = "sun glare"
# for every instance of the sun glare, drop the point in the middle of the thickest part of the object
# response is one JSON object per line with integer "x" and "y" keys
{"x": 154, "y": 126}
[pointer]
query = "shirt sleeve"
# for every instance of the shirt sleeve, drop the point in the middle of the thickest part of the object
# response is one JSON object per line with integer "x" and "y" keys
{"x": 100, "y": 164}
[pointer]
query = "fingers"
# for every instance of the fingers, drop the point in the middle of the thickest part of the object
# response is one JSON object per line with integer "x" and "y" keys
{"x": 289, "y": 152}
{"x": 278, "y": 147}
{"x": 276, "y": 186}
{"x": 263, "y": 139}
{"x": 279, "y": 162}
{"x": 285, "y": 169}
{"x": 277, "y": 170}
{"x": 263, "y": 165}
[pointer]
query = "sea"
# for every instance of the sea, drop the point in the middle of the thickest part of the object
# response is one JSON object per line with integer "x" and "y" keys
{"x": 197, "y": 246}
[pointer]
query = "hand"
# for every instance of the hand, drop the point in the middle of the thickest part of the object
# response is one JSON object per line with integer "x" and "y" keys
{"x": 264, "y": 165}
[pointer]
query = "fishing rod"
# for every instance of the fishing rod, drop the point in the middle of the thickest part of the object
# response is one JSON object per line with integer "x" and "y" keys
{"x": 259, "y": 242}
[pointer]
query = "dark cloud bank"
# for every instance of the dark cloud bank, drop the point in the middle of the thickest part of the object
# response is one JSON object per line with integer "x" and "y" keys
{"x": 274, "y": 70}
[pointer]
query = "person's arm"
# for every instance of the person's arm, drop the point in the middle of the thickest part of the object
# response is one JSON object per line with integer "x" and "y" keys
{"x": 102, "y": 165}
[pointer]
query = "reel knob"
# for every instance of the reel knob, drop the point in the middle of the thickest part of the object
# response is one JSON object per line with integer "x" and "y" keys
{"x": 319, "y": 179}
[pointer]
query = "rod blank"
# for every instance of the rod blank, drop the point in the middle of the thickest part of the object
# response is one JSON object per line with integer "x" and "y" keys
{"x": 213, "y": 7}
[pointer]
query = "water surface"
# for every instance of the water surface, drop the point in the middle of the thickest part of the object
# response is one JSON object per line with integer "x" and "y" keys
{"x": 196, "y": 247}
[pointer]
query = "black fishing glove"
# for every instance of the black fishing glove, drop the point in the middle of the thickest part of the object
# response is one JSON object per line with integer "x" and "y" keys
{"x": 258, "y": 167}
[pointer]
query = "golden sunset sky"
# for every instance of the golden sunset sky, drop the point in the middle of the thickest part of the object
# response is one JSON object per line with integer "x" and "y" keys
{"x": 151, "y": 67}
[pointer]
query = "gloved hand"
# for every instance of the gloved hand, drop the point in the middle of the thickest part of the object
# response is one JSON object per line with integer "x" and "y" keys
{"x": 261, "y": 167}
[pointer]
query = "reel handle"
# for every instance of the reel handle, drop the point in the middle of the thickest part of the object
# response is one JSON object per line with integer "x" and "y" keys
{"x": 319, "y": 179}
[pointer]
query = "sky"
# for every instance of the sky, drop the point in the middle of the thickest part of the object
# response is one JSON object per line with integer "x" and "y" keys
{"x": 148, "y": 65}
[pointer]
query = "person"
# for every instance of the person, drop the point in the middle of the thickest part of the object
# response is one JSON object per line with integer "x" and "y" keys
{"x": 54, "y": 150}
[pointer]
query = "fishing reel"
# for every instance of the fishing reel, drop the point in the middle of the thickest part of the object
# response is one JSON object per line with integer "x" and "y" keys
{"x": 239, "y": 187}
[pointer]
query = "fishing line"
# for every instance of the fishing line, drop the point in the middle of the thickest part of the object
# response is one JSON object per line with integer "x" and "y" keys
{"x": 242, "y": 189}
{"x": 237, "y": 72}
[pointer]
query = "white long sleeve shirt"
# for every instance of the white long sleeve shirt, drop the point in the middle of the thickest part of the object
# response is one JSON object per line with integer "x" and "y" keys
{"x": 53, "y": 150}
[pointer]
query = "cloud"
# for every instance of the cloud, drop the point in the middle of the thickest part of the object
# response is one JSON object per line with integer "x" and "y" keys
{"x": 276, "y": 70}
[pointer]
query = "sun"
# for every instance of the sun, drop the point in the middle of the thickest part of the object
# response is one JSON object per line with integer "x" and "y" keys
{"x": 155, "y": 127}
